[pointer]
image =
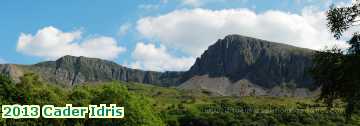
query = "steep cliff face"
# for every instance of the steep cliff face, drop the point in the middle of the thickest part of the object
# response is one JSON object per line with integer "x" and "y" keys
{"x": 254, "y": 61}
{"x": 70, "y": 70}
{"x": 236, "y": 65}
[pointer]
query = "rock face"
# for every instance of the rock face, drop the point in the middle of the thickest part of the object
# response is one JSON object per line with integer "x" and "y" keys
{"x": 71, "y": 70}
{"x": 236, "y": 65}
{"x": 264, "y": 66}
{"x": 222, "y": 86}
{"x": 14, "y": 71}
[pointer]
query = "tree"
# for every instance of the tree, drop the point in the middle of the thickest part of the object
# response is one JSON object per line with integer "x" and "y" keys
{"x": 341, "y": 19}
{"x": 336, "y": 71}
{"x": 138, "y": 111}
{"x": 328, "y": 73}
{"x": 8, "y": 91}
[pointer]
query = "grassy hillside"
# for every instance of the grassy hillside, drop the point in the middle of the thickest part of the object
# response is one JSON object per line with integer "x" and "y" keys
{"x": 147, "y": 105}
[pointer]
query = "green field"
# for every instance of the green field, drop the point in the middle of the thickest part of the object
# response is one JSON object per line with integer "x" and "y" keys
{"x": 147, "y": 105}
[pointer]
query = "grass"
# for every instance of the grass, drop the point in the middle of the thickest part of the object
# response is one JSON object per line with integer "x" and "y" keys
{"x": 168, "y": 97}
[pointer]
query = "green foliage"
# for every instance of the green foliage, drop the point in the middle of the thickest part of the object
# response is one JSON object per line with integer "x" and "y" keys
{"x": 338, "y": 75}
{"x": 137, "y": 109}
{"x": 341, "y": 19}
{"x": 7, "y": 90}
{"x": 328, "y": 72}
{"x": 335, "y": 71}
{"x": 147, "y": 105}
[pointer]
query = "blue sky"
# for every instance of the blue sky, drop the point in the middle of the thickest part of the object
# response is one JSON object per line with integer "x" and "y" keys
{"x": 150, "y": 34}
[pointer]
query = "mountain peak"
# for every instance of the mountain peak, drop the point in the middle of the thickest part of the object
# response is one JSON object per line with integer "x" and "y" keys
{"x": 69, "y": 58}
{"x": 236, "y": 36}
{"x": 246, "y": 40}
{"x": 261, "y": 62}
{"x": 239, "y": 38}
{"x": 71, "y": 70}
{"x": 227, "y": 65}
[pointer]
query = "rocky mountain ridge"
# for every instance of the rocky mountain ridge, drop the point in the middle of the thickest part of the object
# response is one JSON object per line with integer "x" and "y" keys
{"x": 240, "y": 65}
{"x": 70, "y": 70}
{"x": 236, "y": 65}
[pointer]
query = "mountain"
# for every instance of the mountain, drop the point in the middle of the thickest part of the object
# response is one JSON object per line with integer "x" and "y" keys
{"x": 236, "y": 65}
{"x": 70, "y": 70}
{"x": 240, "y": 65}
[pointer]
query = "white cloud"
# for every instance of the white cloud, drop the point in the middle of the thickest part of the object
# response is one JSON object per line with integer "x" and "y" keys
{"x": 124, "y": 28}
{"x": 341, "y": 3}
{"x": 51, "y": 43}
{"x": 200, "y": 3}
{"x": 150, "y": 57}
{"x": 149, "y": 6}
{"x": 192, "y": 31}
{"x": 152, "y": 7}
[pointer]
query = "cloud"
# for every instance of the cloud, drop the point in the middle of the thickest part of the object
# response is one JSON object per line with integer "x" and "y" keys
{"x": 150, "y": 57}
{"x": 152, "y": 7}
{"x": 203, "y": 3}
{"x": 149, "y": 6}
{"x": 51, "y": 43}
{"x": 124, "y": 28}
{"x": 193, "y": 30}
{"x": 345, "y": 3}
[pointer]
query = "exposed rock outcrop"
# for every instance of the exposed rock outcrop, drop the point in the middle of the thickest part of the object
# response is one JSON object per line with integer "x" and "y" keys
{"x": 236, "y": 65}
{"x": 239, "y": 65}
{"x": 70, "y": 70}
{"x": 263, "y": 63}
